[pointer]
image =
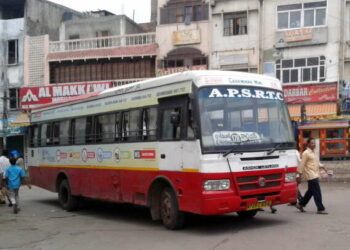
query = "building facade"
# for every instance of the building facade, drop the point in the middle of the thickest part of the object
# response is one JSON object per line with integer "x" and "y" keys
{"x": 19, "y": 18}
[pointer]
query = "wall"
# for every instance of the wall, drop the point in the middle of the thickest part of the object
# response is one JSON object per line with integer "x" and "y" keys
{"x": 43, "y": 17}
{"x": 330, "y": 49}
{"x": 238, "y": 44}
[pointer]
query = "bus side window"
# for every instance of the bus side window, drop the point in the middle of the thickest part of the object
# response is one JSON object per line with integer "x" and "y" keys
{"x": 64, "y": 132}
{"x": 134, "y": 125}
{"x": 49, "y": 134}
{"x": 105, "y": 128}
{"x": 43, "y": 134}
{"x": 79, "y": 131}
{"x": 90, "y": 133}
{"x": 117, "y": 127}
{"x": 149, "y": 124}
{"x": 31, "y": 135}
{"x": 71, "y": 136}
{"x": 56, "y": 133}
{"x": 125, "y": 126}
{"x": 171, "y": 129}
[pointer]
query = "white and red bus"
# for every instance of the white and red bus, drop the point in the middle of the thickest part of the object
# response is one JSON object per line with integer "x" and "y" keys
{"x": 204, "y": 142}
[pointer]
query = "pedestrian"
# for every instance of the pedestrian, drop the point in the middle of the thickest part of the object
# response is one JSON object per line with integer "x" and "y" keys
{"x": 14, "y": 177}
{"x": 4, "y": 164}
{"x": 310, "y": 170}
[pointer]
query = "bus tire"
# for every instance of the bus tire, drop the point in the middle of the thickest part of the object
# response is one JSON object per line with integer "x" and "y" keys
{"x": 170, "y": 214}
{"x": 247, "y": 214}
{"x": 67, "y": 200}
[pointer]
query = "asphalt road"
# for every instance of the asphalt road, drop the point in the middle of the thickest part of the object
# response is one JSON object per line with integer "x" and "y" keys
{"x": 43, "y": 225}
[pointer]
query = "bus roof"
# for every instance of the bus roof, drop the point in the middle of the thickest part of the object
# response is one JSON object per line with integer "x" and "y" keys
{"x": 199, "y": 78}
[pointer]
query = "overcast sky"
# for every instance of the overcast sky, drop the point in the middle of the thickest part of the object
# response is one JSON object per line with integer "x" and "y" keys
{"x": 142, "y": 7}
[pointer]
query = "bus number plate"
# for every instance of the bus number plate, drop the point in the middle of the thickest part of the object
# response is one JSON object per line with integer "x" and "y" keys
{"x": 258, "y": 205}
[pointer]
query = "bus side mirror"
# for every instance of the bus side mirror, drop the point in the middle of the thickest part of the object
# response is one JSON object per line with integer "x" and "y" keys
{"x": 175, "y": 119}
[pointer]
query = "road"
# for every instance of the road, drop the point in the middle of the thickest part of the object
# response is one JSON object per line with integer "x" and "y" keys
{"x": 43, "y": 225}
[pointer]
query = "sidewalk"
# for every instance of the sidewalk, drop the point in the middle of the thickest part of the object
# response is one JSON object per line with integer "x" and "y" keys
{"x": 341, "y": 170}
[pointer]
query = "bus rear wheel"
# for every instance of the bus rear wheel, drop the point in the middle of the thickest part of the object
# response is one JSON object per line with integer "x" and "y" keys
{"x": 247, "y": 214}
{"x": 67, "y": 200}
{"x": 171, "y": 216}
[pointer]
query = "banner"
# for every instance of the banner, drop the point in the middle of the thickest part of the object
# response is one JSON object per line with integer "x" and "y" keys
{"x": 36, "y": 96}
{"x": 311, "y": 93}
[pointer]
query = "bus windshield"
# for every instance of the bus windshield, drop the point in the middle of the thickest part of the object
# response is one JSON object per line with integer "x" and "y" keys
{"x": 243, "y": 118}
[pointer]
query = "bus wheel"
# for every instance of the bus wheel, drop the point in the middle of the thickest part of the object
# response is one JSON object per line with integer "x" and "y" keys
{"x": 67, "y": 200}
{"x": 247, "y": 214}
{"x": 170, "y": 214}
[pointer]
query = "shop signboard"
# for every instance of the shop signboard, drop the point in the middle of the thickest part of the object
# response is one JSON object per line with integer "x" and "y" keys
{"x": 310, "y": 93}
{"x": 32, "y": 97}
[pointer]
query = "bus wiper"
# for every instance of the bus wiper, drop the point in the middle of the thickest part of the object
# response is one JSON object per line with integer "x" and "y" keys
{"x": 274, "y": 148}
{"x": 229, "y": 152}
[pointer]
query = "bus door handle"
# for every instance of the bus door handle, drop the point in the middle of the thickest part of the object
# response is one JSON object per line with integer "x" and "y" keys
{"x": 162, "y": 156}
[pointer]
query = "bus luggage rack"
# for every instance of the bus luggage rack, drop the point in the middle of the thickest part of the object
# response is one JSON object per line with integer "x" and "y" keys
{"x": 246, "y": 183}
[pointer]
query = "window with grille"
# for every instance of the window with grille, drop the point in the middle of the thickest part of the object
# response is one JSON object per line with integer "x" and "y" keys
{"x": 12, "y": 52}
{"x": 310, "y": 69}
{"x": 235, "y": 24}
{"x": 299, "y": 15}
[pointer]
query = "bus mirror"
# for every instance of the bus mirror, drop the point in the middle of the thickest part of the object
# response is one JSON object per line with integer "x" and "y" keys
{"x": 175, "y": 118}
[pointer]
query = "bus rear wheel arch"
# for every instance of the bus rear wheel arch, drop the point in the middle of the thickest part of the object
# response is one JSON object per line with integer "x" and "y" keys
{"x": 67, "y": 201}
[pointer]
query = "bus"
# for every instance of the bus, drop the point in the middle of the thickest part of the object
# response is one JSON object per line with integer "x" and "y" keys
{"x": 203, "y": 142}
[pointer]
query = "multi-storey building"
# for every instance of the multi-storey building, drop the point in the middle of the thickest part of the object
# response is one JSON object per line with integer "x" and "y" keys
{"x": 183, "y": 35}
{"x": 20, "y": 18}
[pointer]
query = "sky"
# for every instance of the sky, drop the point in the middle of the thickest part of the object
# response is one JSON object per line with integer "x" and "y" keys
{"x": 142, "y": 7}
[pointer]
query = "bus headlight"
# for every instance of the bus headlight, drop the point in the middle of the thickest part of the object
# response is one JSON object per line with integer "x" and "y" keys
{"x": 290, "y": 177}
{"x": 216, "y": 185}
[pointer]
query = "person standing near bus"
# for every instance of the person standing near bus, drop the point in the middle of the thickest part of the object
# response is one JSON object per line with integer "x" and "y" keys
{"x": 14, "y": 177}
{"x": 4, "y": 164}
{"x": 310, "y": 169}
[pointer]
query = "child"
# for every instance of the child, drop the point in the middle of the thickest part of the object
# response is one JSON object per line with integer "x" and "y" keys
{"x": 14, "y": 177}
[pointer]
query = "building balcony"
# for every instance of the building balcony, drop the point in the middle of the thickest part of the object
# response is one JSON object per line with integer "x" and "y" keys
{"x": 132, "y": 45}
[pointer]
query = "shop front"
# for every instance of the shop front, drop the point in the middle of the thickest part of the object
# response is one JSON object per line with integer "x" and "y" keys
{"x": 333, "y": 136}
{"x": 12, "y": 132}
{"x": 319, "y": 100}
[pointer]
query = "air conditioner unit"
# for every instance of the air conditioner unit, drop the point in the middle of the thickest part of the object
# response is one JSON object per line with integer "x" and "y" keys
{"x": 212, "y": 3}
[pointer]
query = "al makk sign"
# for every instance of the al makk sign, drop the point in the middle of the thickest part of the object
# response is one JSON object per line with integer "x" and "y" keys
{"x": 35, "y": 96}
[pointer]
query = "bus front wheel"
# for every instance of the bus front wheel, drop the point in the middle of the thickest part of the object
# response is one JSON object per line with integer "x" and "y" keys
{"x": 67, "y": 200}
{"x": 170, "y": 214}
{"x": 247, "y": 214}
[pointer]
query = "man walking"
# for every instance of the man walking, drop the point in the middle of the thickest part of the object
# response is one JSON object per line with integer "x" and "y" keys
{"x": 310, "y": 169}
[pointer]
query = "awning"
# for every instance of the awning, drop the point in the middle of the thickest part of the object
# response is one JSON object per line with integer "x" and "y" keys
{"x": 313, "y": 109}
{"x": 325, "y": 124}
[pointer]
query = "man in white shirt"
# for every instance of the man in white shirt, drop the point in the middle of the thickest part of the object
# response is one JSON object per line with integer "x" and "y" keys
{"x": 4, "y": 164}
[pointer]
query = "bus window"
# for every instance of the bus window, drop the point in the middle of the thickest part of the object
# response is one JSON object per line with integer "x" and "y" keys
{"x": 43, "y": 134}
{"x": 117, "y": 128}
{"x": 149, "y": 124}
{"x": 134, "y": 125}
{"x": 90, "y": 133}
{"x": 64, "y": 132}
{"x": 80, "y": 131}
{"x": 125, "y": 126}
{"x": 56, "y": 133}
{"x": 171, "y": 126}
{"x": 31, "y": 135}
{"x": 105, "y": 128}
{"x": 71, "y": 136}
{"x": 49, "y": 134}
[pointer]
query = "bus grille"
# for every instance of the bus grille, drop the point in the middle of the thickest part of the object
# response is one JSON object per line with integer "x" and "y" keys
{"x": 246, "y": 183}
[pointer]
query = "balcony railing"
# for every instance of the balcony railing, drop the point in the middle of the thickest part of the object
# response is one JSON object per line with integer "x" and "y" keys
{"x": 102, "y": 42}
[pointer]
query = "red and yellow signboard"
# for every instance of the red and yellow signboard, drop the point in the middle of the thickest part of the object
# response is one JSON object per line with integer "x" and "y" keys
{"x": 311, "y": 93}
